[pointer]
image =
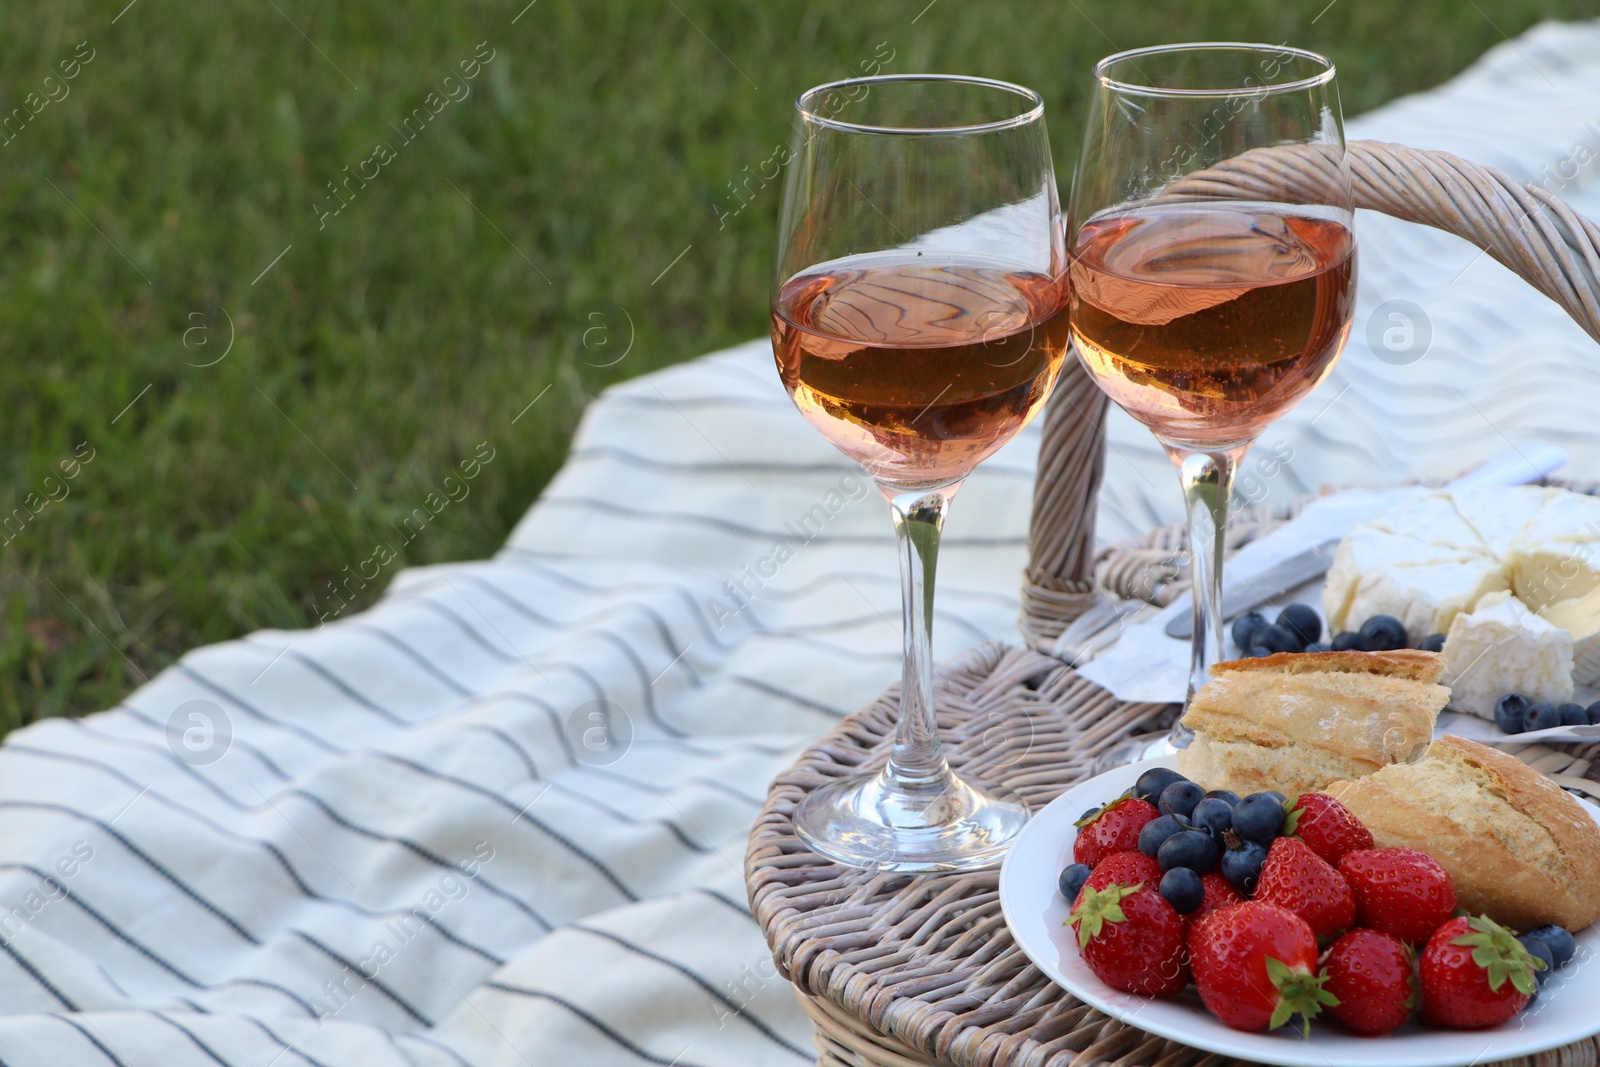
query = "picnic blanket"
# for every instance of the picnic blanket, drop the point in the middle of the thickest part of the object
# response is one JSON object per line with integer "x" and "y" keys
{"x": 500, "y": 817}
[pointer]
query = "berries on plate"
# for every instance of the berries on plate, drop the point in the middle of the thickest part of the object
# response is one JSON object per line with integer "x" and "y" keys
{"x": 1593, "y": 711}
{"x": 1180, "y": 798}
{"x": 1511, "y": 713}
{"x": 1432, "y": 643}
{"x": 1130, "y": 937}
{"x": 1153, "y": 781}
{"x": 1475, "y": 974}
{"x": 1219, "y": 894}
{"x": 1573, "y": 714}
{"x": 1194, "y": 849}
{"x": 1559, "y": 939}
{"x": 1383, "y": 633}
{"x": 1071, "y": 880}
{"x": 1303, "y": 621}
{"x": 1241, "y": 864}
{"x": 1399, "y": 891}
{"x": 1214, "y": 815}
{"x": 1126, "y": 868}
{"x": 1157, "y": 830}
{"x": 1539, "y": 949}
{"x": 1370, "y": 974}
{"x": 1114, "y": 828}
{"x": 1298, "y": 880}
{"x": 1187, "y": 893}
{"x": 1258, "y": 817}
{"x": 1255, "y": 965}
{"x": 1326, "y": 825}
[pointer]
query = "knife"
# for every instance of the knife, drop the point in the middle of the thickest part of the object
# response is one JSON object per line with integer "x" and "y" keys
{"x": 1521, "y": 465}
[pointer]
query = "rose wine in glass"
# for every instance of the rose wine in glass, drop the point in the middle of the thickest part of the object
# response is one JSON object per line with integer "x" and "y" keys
{"x": 919, "y": 320}
{"x": 1203, "y": 314}
{"x": 919, "y": 371}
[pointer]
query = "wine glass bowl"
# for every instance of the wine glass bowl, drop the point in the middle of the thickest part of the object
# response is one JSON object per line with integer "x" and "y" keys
{"x": 1207, "y": 308}
{"x": 919, "y": 321}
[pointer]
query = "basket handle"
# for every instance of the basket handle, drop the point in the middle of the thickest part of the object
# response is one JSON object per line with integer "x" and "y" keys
{"x": 1524, "y": 227}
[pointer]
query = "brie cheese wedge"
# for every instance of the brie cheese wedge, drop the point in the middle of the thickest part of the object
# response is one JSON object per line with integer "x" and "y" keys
{"x": 1501, "y": 647}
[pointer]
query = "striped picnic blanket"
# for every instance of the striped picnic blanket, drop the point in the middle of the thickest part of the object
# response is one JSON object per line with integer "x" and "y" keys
{"x": 499, "y": 818}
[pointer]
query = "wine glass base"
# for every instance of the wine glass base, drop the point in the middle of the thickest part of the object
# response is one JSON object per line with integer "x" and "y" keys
{"x": 874, "y": 823}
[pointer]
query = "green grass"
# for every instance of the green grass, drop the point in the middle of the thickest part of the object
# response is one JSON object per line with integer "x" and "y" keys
{"x": 383, "y": 347}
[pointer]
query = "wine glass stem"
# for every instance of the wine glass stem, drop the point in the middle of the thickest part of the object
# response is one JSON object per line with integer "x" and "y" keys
{"x": 1207, "y": 484}
{"x": 917, "y": 762}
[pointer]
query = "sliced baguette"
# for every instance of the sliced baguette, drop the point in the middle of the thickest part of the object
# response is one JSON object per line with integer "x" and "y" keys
{"x": 1297, "y": 721}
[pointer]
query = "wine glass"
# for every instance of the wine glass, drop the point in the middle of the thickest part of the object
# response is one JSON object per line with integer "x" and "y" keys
{"x": 1206, "y": 307}
{"x": 918, "y": 321}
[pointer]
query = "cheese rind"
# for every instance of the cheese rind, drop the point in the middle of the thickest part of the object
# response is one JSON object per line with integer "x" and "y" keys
{"x": 1501, "y": 647}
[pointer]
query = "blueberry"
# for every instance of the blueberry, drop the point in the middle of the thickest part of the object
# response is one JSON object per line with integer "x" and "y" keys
{"x": 1383, "y": 633}
{"x": 1319, "y": 646}
{"x": 1594, "y": 713}
{"x": 1258, "y": 817}
{"x": 1246, "y": 625}
{"x": 1347, "y": 642}
{"x": 1214, "y": 814}
{"x": 1562, "y": 946}
{"x": 1573, "y": 715}
{"x": 1179, "y": 798}
{"x": 1543, "y": 716}
{"x": 1303, "y": 621}
{"x": 1432, "y": 643}
{"x": 1153, "y": 781}
{"x": 1072, "y": 879}
{"x": 1242, "y": 866}
{"x": 1258, "y": 652}
{"x": 1224, "y": 794}
{"x": 1275, "y": 795}
{"x": 1511, "y": 713}
{"x": 1537, "y": 947}
{"x": 1088, "y": 816}
{"x": 1157, "y": 830}
{"x": 1193, "y": 849}
{"x": 1183, "y": 889}
{"x": 1276, "y": 638}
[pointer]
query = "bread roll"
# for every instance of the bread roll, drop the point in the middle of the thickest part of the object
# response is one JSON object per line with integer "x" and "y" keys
{"x": 1518, "y": 848}
{"x": 1296, "y": 721}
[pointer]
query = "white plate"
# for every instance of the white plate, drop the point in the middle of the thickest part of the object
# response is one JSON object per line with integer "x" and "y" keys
{"x": 1567, "y": 1008}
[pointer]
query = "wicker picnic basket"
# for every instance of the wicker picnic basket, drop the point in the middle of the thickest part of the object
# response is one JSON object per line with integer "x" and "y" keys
{"x": 899, "y": 970}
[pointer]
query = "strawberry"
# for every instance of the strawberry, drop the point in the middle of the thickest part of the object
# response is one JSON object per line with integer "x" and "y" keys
{"x": 1296, "y": 878}
{"x": 1125, "y": 868}
{"x": 1370, "y": 973}
{"x": 1131, "y": 938}
{"x": 1324, "y": 824}
{"x": 1253, "y": 963}
{"x": 1475, "y": 974}
{"x": 1400, "y": 891}
{"x": 1219, "y": 894}
{"x": 1114, "y": 828}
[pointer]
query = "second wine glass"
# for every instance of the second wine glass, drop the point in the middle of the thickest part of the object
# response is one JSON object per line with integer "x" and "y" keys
{"x": 1207, "y": 308}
